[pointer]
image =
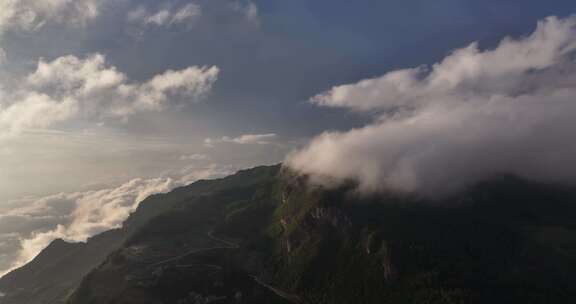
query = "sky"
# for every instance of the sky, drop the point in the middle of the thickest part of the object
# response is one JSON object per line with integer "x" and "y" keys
{"x": 103, "y": 102}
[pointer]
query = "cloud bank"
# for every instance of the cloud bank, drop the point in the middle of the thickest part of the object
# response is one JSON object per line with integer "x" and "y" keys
{"x": 30, "y": 225}
{"x": 70, "y": 87}
{"x": 476, "y": 113}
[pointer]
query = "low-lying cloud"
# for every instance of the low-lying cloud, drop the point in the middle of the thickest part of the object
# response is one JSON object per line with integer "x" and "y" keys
{"x": 476, "y": 113}
{"x": 27, "y": 226}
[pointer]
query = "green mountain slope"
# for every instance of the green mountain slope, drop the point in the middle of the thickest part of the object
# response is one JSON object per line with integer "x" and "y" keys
{"x": 51, "y": 276}
{"x": 265, "y": 235}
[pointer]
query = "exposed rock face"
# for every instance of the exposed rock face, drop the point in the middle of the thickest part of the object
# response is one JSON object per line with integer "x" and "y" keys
{"x": 331, "y": 216}
{"x": 286, "y": 236}
{"x": 390, "y": 270}
{"x": 377, "y": 248}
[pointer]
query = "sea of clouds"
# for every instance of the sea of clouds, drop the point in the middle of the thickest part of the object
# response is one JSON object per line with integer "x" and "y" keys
{"x": 28, "y": 225}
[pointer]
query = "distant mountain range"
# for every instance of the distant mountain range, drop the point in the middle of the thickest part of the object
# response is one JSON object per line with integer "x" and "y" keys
{"x": 265, "y": 235}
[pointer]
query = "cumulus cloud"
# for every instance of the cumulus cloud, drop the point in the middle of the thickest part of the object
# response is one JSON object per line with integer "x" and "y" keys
{"x": 475, "y": 114}
{"x": 75, "y": 217}
{"x": 32, "y": 14}
{"x": 184, "y": 15}
{"x": 246, "y": 139}
{"x": 70, "y": 87}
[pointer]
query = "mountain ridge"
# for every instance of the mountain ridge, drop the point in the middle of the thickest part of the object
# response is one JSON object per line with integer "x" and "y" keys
{"x": 502, "y": 241}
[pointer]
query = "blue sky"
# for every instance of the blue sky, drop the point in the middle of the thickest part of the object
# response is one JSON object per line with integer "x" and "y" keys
{"x": 270, "y": 67}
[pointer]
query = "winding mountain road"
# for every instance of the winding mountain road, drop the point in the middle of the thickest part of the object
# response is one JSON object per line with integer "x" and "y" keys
{"x": 228, "y": 245}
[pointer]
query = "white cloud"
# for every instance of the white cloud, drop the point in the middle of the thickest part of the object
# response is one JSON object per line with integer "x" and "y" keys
{"x": 246, "y": 139}
{"x": 75, "y": 217}
{"x": 184, "y": 15}
{"x": 472, "y": 115}
{"x": 35, "y": 110}
{"x": 70, "y": 87}
{"x": 248, "y": 9}
{"x": 3, "y": 56}
{"x": 33, "y": 14}
{"x": 223, "y": 12}
{"x": 193, "y": 157}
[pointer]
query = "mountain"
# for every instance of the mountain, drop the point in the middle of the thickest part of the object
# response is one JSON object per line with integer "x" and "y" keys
{"x": 57, "y": 269}
{"x": 265, "y": 235}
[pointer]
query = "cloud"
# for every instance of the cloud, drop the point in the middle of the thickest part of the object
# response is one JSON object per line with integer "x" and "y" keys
{"x": 209, "y": 13}
{"x": 248, "y": 9}
{"x": 3, "y": 56}
{"x": 246, "y": 139}
{"x": 70, "y": 87}
{"x": 193, "y": 157}
{"x": 30, "y": 15}
{"x": 184, "y": 15}
{"x": 475, "y": 114}
{"x": 75, "y": 217}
